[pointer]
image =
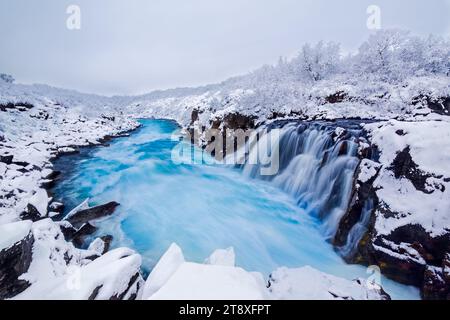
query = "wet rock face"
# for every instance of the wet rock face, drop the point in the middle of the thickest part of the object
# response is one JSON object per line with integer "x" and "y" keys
{"x": 362, "y": 192}
{"x": 14, "y": 262}
{"x": 84, "y": 216}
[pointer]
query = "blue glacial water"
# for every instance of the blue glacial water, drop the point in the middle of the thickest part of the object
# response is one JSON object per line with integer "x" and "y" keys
{"x": 200, "y": 207}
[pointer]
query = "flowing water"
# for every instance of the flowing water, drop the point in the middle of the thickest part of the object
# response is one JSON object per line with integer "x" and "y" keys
{"x": 270, "y": 222}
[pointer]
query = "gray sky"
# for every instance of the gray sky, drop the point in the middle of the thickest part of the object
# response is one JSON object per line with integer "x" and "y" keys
{"x": 135, "y": 46}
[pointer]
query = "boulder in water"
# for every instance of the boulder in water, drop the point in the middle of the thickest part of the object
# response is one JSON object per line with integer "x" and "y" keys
{"x": 86, "y": 215}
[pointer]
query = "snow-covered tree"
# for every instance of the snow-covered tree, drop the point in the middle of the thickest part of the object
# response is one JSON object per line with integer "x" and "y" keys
{"x": 394, "y": 55}
{"x": 317, "y": 62}
{"x": 6, "y": 78}
{"x": 379, "y": 54}
{"x": 436, "y": 55}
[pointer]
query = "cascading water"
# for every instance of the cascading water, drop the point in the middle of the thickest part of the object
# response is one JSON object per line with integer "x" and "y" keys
{"x": 317, "y": 162}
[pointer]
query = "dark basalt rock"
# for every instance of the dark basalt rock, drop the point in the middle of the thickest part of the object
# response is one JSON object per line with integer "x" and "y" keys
{"x": 395, "y": 261}
{"x": 31, "y": 213}
{"x": 432, "y": 249}
{"x": 14, "y": 262}
{"x": 238, "y": 121}
{"x": 360, "y": 195}
{"x": 122, "y": 295}
{"x": 68, "y": 152}
{"x": 54, "y": 174}
{"x": 6, "y": 159}
{"x": 383, "y": 294}
{"x": 234, "y": 121}
{"x": 107, "y": 240}
{"x": 132, "y": 281}
{"x": 21, "y": 163}
{"x": 95, "y": 293}
{"x": 93, "y": 213}
{"x": 80, "y": 235}
{"x": 21, "y": 106}
{"x": 403, "y": 166}
{"x": 194, "y": 116}
{"x": 337, "y": 97}
{"x": 436, "y": 105}
{"x": 67, "y": 230}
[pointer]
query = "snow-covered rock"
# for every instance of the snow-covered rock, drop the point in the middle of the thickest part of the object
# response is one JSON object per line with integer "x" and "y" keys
{"x": 60, "y": 271}
{"x": 174, "y": 278}
{"x": 12, "y": 233}
{"x": 308, "y": 283}
{"x": 222, "y": 257}
{"x": 408, "y": 230}
{"x": 16, "y": 241}
{"x": 40, "y": 201}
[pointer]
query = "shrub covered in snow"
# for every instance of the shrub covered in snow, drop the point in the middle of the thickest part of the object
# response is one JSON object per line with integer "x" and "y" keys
{"x": 6, "y": 78}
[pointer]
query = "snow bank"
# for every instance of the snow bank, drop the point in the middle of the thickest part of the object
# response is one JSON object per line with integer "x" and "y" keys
{"x": 174, "y": 278}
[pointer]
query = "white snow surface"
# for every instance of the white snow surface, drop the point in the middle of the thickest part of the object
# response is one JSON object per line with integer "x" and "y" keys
{"x": 175, "y": 279}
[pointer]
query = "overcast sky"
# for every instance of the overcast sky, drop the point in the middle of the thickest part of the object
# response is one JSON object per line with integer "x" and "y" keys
{"x": 135, "y": 46}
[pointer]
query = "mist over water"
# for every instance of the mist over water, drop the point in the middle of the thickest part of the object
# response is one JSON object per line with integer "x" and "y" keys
{"x": 200, "y": 207}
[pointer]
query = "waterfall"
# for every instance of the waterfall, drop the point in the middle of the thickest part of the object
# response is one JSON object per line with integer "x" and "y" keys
{"x": 317, "y": 163}
{"x": 358, "y": 230}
